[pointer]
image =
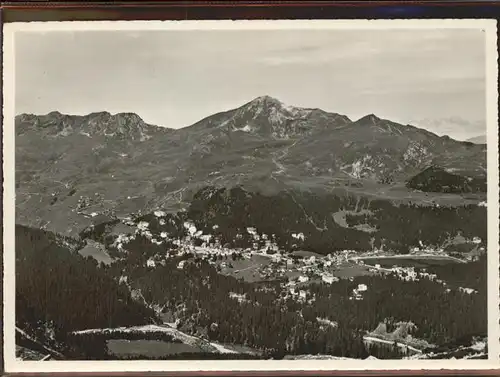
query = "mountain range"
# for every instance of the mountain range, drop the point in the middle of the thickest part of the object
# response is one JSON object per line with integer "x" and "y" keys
{"x": 70, "y": 168}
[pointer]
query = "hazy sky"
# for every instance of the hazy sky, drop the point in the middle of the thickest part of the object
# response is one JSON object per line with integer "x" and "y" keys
{"x": 175, "y": 78}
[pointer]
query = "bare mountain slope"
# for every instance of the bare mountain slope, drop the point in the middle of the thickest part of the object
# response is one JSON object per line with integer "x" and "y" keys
{"x": 70, "y": 168}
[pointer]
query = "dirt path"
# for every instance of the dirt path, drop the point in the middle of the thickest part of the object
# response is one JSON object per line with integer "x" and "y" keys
{"x": 246, "y": 268}
{"x": 280, "y": 155}
{"x": 309, "y": 218}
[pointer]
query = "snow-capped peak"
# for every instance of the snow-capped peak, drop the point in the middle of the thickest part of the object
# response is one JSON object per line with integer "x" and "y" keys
{"x": 269, "y": 117}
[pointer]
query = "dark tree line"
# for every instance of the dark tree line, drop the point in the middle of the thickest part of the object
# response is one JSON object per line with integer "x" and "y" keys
{"x": 397, "y": 228}
{"x": 227, "y": 213}
{"x": 57, "y": 287}
{"x": 436, "y": 179}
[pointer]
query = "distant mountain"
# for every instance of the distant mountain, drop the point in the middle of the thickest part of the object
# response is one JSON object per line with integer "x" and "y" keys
{"x": 459, "y": 127}
{"x": 71, "y": 168}
{"x": 478, "y": 139}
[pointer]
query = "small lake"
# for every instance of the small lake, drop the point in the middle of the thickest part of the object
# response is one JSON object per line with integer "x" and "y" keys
{"x": 96, "y": 251}
{"x": 417, "y": 262}
{"x": 151, "y": 348}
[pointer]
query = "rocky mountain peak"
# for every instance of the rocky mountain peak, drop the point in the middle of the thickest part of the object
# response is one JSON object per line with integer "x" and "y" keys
{"x": 100, "y": 124}
{"x": 269, "y": 117}
{"x": 126, "y": 125}
{"x": 263, "y": 104}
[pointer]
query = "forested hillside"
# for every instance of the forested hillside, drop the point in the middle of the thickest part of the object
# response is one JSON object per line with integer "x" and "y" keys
{"x": 385, "y": 225}
{"x": 58, "y": 291}
{"x": 267, "y": 316}
{"x": 435, "y": 179}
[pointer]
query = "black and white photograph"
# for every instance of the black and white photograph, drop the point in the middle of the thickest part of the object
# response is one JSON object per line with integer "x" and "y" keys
{"x": 250, "y": 194}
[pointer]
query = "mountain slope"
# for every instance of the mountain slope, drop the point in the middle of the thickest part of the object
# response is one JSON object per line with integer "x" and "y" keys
{"x": 70, "y": 168}
{"x": 268, "y": 117}
{"x": 378, "y": 149}
{"x": 57, "y": 291}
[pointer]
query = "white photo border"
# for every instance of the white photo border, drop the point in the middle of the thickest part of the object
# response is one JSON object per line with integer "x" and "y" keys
{"x": 11, "y": 365}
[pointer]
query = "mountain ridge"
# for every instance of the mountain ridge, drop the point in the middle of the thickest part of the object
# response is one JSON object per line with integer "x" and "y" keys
{"x": 264, "y": 101}
{"x": 77, "y": 165}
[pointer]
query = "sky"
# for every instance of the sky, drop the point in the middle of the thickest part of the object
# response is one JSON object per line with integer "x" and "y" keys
{"x": 174, "y": 78}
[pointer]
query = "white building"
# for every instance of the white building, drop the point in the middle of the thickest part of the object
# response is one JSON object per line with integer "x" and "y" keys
{"x": 329, "y": 278}
{"x": 143, "y": 225}
{"x": 303, "y": 279}
{"x": 362, "y": 288}
{"x": 476, "y": 240}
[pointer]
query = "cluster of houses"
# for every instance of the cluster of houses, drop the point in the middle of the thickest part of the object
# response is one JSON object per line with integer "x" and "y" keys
{"x": 308, "y": 267}
{"x": 88, "y": 201}
{"x": 298, "y": 270}
{"x": 357, "y": 293}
